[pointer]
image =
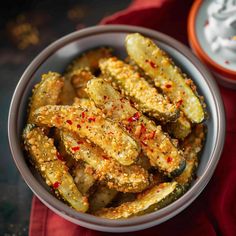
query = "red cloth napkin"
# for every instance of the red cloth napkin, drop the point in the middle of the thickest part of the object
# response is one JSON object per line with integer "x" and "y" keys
{"x": 214, "y": 211}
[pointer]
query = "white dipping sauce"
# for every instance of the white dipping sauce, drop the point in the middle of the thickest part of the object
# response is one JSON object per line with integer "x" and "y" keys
{"x": 220, "y": 30}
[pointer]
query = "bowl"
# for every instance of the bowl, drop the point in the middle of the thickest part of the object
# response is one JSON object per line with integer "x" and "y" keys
{"x": 219, "y": 62}
{"x": 55, "y": 58}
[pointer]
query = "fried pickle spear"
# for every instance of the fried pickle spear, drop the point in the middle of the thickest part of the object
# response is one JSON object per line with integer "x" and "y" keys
{"x": 83, "y": 177}
{"x": 89, "y": 59}
{"x": 46, "y": 92}
{"x": 45, "y": 158}
{"x": 122, "y": 198}
{"x": 68, "y": 92}
{"x": 91, "y": 124}
{"x": 130, "y": 82}
{"x": 131, "y": 178}
{"x": 68, "y": 159}
{"x": 142, "y": 159}
{"x": 79, "y": 80}
{"x": 180, "y": 128}
{"x": 192, "y": 145}
{"x": 154, "y": 142}
{"x": 166, "y": 75}
{"x": 73, "y": 85}
{"x": 150, "y": 200}
{"x": 101, "y": 198}
{"x": 140, "y": 71}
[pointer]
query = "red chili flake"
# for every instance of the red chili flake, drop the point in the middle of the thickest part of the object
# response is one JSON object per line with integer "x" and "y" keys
{"x": 105, "y": 97}
{"x": 227, "y": 62}
{"x": 151, "y": 63}
{"x": 80, "y": 142}
{"x": 111, "y": 133}
{"x": 83, "y": 114}
{"x": 78, "y": 126}
{"x": 168, "y": 85}
{"x": 144, "y": 144}
{"x": 56, "y": 184}
{"x": 105, "y": 157}
{"x": 145, "y": 138}
{"x": 143, "y": 130}
{"x": 69, "y": 122}
{"x": 206, "y": 23}
{"x": 135, "y": 117}
{"x": 59, "y": 156}
{"x": 169, "y": 159}
{"x": 86, "y": 126}
{"x": 179, "y": 103}
{"x": 91, "y": 119}
{"x": 128, "y": 128}
{"x": 77, "y": 148}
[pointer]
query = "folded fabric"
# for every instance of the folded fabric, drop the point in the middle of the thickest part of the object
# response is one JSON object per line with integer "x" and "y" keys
{"x": 214, "y": 211}
{"x": 166, "y": 16}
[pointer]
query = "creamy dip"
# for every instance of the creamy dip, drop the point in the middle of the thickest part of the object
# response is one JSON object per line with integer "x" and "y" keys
{"x": 220, "y": 31}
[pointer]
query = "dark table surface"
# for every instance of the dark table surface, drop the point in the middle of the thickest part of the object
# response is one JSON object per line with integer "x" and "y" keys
{"x": 27, "y": 27}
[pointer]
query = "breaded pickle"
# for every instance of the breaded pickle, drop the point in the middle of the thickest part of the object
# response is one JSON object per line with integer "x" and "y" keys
{"x": 192, "y": 145}
{"x": 46, "y": 92}
{"x": 83, "y": 177}
{"x": 122, "y": 198}
{"x": 131, "y": 178}
{"x": 68, "y": 92}
{"x": 180, "y": 128}
{"x": 46, "y": 159}
{"x": 73, "y": 86}
{"x": 101, "y": 198}
{"x": 166, "y": 75}
{"x": 79, "y": 79}
{"x": 148, "y": 201}
{"x": 91, "y": 124}
{"x": 158, "y": 147}
{"x": 132, "y": 84}
{"x": 89, "y": 59}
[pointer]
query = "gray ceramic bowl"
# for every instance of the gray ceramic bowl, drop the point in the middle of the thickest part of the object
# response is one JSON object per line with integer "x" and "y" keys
{"x": 55, "y": 58}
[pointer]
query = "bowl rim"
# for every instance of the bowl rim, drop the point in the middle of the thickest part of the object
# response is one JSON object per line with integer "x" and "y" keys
{"x": 85, "y": 219}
